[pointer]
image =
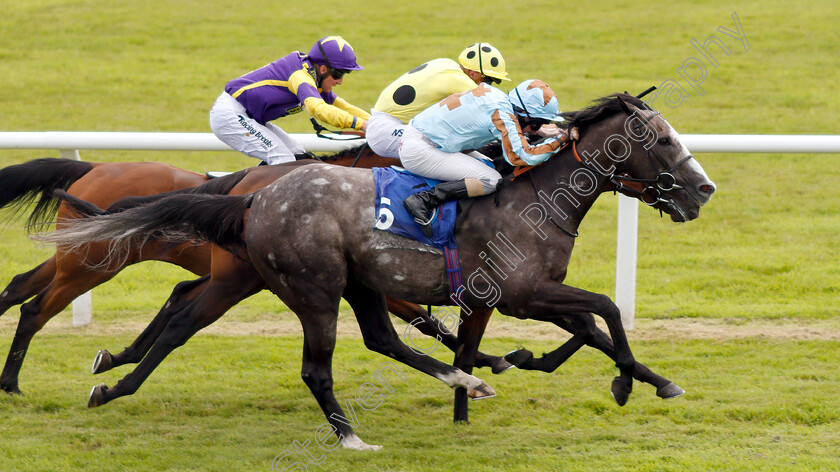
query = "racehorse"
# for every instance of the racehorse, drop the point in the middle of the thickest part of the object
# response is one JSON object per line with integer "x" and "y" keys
{"x": 327, "y": 212}
{"x": 68, "y": 274}
{"x": 195, "y": 304}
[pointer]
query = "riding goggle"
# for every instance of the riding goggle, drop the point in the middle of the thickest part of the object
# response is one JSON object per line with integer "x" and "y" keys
{"x": 537, "y": 123}
{"x": 533, "y": 123}
{"x": 337, "y": 74}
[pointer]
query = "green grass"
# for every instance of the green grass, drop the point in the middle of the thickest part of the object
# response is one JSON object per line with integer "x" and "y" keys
{"x": 764, "y": 250}
{"x": 234, "y": 403}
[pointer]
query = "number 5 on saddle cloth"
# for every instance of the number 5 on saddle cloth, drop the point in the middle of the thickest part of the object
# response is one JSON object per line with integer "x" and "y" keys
{"x": 393, "y": 185}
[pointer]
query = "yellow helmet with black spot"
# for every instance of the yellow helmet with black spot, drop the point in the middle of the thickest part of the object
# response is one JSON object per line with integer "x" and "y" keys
{"x": 484, "y": 59}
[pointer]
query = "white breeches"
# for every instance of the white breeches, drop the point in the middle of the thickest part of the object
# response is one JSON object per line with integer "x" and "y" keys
{"x": 423, "y": 157}
{"x": 383, "y": 134}
{"x": 232, "y": 125}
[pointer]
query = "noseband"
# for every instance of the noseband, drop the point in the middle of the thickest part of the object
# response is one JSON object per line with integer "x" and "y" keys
{"x": 652, "y": 189}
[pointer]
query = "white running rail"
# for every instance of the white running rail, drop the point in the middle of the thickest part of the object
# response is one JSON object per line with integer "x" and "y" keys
{"x": 69, "y": 142}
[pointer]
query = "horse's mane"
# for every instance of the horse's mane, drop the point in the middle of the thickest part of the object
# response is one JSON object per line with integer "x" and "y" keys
{"x": 603, "y": 108}
{"x": 350, "y": 152}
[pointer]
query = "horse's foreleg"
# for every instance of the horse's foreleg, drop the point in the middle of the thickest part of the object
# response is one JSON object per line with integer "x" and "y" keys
{"x": 183, "y": 294}
{"x": 208, "y": 307}
{"x": 599, "y": 340}
{"x": 24, "y": 286}
{"x": 585, "y": 332}
{"x": 470, "y": 332}
{"x": 557, "y": 300}
{"x": 379, "y": 336}
{"x": 411, "y": 313}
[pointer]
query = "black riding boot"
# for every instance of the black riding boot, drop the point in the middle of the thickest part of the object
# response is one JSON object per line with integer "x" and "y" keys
{"x": 422, "y": 205}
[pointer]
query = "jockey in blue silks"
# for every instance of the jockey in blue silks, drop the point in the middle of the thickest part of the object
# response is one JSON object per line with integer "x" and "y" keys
{"x": 436, "y": 142}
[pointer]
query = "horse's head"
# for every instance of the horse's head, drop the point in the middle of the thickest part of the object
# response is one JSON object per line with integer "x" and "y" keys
{"x": 643, "y": 156}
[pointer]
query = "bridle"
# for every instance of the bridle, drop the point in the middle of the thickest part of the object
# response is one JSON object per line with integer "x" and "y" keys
{"x": 653, "y": 189}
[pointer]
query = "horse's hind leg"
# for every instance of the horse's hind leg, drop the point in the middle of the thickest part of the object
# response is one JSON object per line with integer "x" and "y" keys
{"x": 24, "y": 286}
{"x": 36, "y": 313}
{"x": 183, "y": 294}
{"x": 319, "y": 328}
{"x": 470, "y": 332}
{"x": 379, "y": 336}
{"x": 411, "y": 313}
{"x": 209, "y": 306}
{"x": 316, "y": 306}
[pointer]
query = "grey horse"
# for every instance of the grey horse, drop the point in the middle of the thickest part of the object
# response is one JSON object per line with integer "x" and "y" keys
{"x": 310, "y": 236}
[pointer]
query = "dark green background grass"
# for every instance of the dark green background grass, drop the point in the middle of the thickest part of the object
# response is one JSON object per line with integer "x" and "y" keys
{"x": 765, "y": 248}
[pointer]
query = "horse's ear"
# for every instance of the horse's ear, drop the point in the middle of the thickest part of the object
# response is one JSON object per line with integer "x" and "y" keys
{"x": 624, "y": 105}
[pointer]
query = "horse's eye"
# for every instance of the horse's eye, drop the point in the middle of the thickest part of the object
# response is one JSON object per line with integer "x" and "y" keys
{"x": 664, "y": 141}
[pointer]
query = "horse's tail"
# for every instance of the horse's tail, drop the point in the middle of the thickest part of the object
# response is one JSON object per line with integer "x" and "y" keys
{"x": 219, "y": 219}
{"x": 215, "y": 186}
{"x": 22, "y": 184}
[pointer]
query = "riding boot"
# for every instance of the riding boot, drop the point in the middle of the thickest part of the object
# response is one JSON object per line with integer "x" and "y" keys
{"x": 422, "y": 205}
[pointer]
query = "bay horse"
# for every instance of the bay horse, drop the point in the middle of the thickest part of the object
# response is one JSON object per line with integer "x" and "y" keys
{"x": 327, "y": 212}
{"x": 67, "y": 274}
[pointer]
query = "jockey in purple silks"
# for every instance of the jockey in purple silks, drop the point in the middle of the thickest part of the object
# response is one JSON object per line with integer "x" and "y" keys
{"x": 241, "y": 115}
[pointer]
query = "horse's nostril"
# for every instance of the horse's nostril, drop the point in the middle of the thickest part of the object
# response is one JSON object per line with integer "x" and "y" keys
{"x": 707, "y": 188}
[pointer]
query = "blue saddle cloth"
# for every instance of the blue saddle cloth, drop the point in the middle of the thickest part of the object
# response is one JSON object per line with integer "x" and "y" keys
{"x": 392, "y": 187}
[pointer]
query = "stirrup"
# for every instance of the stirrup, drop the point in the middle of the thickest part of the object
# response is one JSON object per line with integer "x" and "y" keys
{"x": 426, "y": 223}
{"x": 426, "y": 226}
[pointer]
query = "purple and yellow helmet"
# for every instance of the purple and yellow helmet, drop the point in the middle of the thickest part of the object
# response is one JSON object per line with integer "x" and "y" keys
{"x": 335, "y": 53}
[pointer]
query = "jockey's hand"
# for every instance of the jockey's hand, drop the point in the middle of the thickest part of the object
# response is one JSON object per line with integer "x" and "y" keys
{"x": 364, "y": 125}
{"x": 549, "y": 131}
{"x": 567, "y": 136}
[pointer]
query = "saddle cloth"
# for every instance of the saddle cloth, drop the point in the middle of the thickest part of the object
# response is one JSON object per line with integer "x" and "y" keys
{"x": 393, "y": 185}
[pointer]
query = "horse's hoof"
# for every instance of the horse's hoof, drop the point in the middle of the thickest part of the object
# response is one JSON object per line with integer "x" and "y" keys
{"x": 671, "y": 390}
{"x": 97, "y": 396}
{"x": 353, "y": 442}
{"x": 102, "y": 362}
{"x": 481, "y": 392}
{"x": 620, "y": 391}
{"x": 11, "y": 389}
{"x": 501, "y": 365}
{"x": 519, "y": 357}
